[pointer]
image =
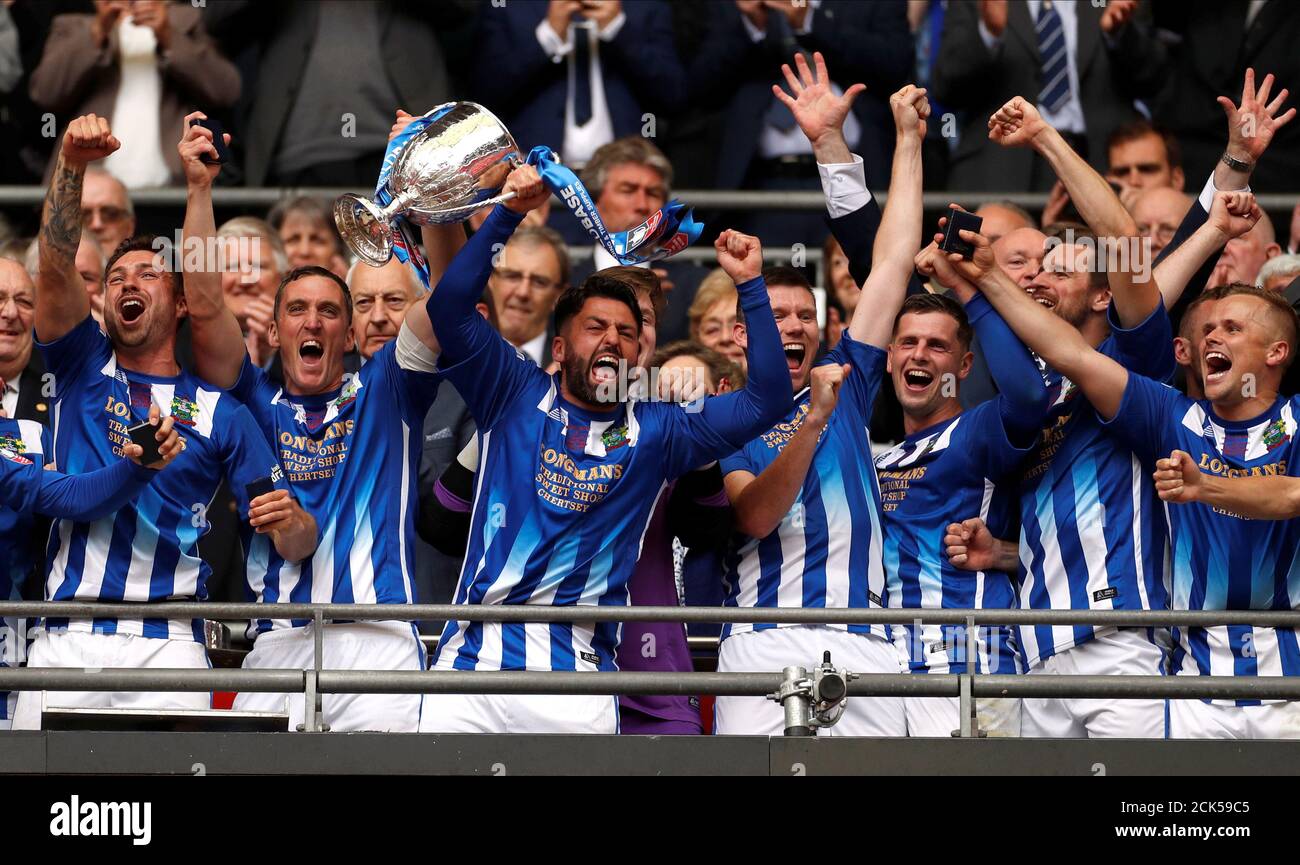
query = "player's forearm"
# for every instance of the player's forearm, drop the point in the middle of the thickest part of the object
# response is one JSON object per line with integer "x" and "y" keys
{"x": 1006, "y": 556}
{"x": 1174, "y": 272}
{"x": 893, "y": 255}
{"x": 61, "y": 300}
{"x": 1051, "y": 337}
{"x": 1094, "y": 198}
{"x": 441, "y": 245}
{"x": 218, "y": 340}
{"x": 91, "y": 496}
{"x": 1010, "y": 363}
{"x": 831, "y": 148}
{"x": 762, "y": 504}
{"x": 1257, "y": 498}
{"x": 450, "y": 306}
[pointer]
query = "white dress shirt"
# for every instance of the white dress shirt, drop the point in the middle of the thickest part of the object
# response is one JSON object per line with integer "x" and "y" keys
{"x": 139, "y": 163}
{"x": 845, "y": 186}
{"x": 580, "y": 142}
{"x": 1070, "y": 117}
{"x": 535, "y": 347}
{"x": 9, "y": 398}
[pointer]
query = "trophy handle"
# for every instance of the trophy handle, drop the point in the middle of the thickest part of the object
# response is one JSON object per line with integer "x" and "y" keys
{"x": 364, "y": 228}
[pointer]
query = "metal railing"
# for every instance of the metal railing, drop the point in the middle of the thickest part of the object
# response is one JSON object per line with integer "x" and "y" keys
{"x": 966, "y": 687}
{"x": 704, "y": 199}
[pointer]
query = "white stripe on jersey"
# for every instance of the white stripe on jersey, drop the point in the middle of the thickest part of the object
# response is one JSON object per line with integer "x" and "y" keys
{"x": 207, "y": 403}
{"x": 322, "y": 566}
{"x": 1055, "y": 581}
{"x": 1092, "y": 540}
{"x": 793, "y": 547}
{"x": 986, "y": 503}
{"x": 30, "y": 432}
{"x": 360, "y": 569}
{"x": 407, "y": 585}
{"x": 98, "y": 539}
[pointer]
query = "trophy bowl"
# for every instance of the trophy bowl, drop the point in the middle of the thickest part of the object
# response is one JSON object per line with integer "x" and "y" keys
{"x": 453, "y": 167}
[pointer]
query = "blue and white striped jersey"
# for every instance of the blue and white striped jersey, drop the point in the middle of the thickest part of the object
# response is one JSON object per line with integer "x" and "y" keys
{"x": 28, "y": 440}
{"x": 826, "y": 550}
{"x": 1222, "y": 561}
{"x": 148, "y": 550}
{"x": 943, "y": 474}
{"x": 1092, "y": 532}
{"x": 352, "y": 458}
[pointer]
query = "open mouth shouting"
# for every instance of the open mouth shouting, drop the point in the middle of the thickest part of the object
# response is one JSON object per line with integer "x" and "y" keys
{"x": 311, "y": 351}
{"x": 130, "y": 308}
{"x": 917, "y": 380}
{"x": 1043, "y": 298}
{"x": 604, "y": 367}
{"x": 1216, "y": 366}
{"x": 795, "y": 353}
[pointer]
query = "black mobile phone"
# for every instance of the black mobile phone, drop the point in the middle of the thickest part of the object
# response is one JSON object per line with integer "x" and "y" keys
{"x": 218, "y": 139}
{"x": 259, "y": 487}
{"x": 143, "y": 435}
{"x": 958, "y": 220}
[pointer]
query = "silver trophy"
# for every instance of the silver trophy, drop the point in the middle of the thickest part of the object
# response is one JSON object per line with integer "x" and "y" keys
{"x": 453, "y": 167}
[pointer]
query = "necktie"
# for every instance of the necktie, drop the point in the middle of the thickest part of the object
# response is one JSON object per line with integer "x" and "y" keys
{"x": 1053, "y": 60}
{"x": 3, "y": 413}
{"x": 779, "y": 34}
{"x": 581, "y": 75}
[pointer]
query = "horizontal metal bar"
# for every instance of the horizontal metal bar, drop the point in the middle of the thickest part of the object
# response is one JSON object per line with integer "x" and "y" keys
{"x": 587, "y": 614}
{"x": 707, "y": 199}
{"x": 722, "y": 684}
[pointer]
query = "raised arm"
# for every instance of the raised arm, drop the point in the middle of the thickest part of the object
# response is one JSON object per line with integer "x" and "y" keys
{"x": 61, "y": 299}
{"x": 1055, "y": 340}
{"x": 1251, "y": 127}
{"x": 1180, "y": 481}
{"x": 1018, "y": 124}
{"x": 899, "y": 237}
{"x": 218, "y": 340}
{"x": 1232, "y": 214}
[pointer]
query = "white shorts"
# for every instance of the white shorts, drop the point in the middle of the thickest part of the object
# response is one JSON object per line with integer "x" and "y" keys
{"x": 773, "y": 649}
{"x": 355, "y": 646}
{"x": 72, "y": 649}
{"x": 519, "y": 713}
{"x": 1194, "y": 719}
{"x": 929, "y": 717}
{"x": 1122, "y": 652}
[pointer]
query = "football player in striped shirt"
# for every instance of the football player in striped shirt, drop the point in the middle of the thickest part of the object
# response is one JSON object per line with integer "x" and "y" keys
{"x": 805, "y": 497}
{"x": 952, "y": 463}
{"x": 104, "y": 384}
{"x": 349, "y": 445}
{"x": 571, "y": 470}
{"x": 27, "y": 489}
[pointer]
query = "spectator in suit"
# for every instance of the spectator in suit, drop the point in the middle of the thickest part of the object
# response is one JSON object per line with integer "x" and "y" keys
{"x": 322, "y": 61}
{"x": 1212, "y": 46}
{"x": 1083, "y": 66}
{"x": 527, "y": 280}
{"x": 22, "y": 393}
{"x": 144, "y": 65}
{"x": 106, "y": 209}
{"x": 713, "y": 317}
{"x": 629, "y": 179}
{"x": 761, "y": 146}
{"x": 577, "y": 74}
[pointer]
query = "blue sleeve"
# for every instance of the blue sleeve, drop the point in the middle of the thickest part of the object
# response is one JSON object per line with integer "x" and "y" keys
{"x": 1147, "y": 414}
{"x": 995, "y": 446}
{"x": 252, "y": 384}
{"x": 738, "y": 461}
{"x": 725, "y": 423}
{"x": 1022, "y": 394}
{"x": 1147, "y": 349}
{"x": 1195, "y": 217}
{"x": 487, "y": 371}
{"x": 413, "y": 390}
{"x": 862, "y": 385}
{"x": 80, "y": 498}
{"x": 246, "y": 454}
{"x": 83, "y": 348}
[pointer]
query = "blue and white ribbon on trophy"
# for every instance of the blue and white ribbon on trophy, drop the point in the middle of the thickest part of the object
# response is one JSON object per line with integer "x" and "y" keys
{"x": 406, "y": 243}
{"x": 668, "y": 231}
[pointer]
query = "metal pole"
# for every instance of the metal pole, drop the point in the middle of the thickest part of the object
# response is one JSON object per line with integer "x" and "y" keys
{"x": 969, "y": 708}
{"x": 796, "y": 702}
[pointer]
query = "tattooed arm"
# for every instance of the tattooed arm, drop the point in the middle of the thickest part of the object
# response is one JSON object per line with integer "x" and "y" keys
{"x": 61, "y": 299}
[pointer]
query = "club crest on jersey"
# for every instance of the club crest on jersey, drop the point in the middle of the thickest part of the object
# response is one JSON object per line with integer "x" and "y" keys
{"x": 13, "y": 456}
{"x": 185, "y": 411}
{"x": 9, "y": 443}
{"x": 1275, "y": 435}
{"x": 614, "y": 438}
{"x": 349, "y": 393}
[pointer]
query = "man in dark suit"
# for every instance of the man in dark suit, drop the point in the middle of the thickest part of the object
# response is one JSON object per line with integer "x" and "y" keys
{"x": 1217, "y": 43}
{"x": 313, "y": 60}
{"x": 1081, "y": 65}
{"x": 576, "y": 75}
{"x": 761, "y": 146}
